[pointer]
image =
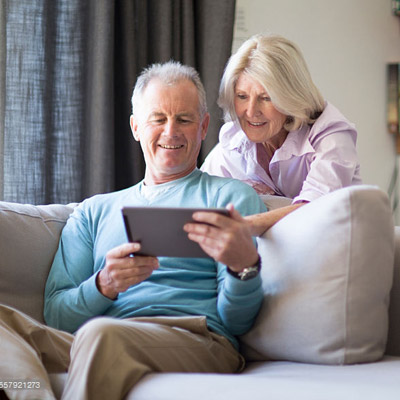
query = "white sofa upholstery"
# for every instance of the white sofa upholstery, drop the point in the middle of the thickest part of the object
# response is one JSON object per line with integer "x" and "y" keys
{"x": 330, "y": 324}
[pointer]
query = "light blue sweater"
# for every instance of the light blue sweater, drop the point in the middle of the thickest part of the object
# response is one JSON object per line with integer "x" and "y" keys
{"x": 180, "y": 287}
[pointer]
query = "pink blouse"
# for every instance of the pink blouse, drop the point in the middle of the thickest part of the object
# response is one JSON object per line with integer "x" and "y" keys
{"x": 313, "y": 160}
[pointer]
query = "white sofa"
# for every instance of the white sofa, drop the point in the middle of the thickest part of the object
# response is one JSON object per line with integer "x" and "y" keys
{"x": 330, "y": 324}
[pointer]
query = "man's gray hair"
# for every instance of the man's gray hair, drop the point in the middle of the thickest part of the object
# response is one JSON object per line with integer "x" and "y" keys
{"x": 169, "y": 73}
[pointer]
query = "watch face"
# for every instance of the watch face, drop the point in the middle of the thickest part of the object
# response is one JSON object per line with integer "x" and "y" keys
{"x": 249, "y": 273}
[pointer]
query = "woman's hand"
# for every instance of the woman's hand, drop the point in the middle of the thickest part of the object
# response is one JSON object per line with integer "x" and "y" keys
{"x": 258, "y": 224}
{"x": 123, "y": 271}
{"x": 259, "y": 187}
{"x": 226, "y": 239}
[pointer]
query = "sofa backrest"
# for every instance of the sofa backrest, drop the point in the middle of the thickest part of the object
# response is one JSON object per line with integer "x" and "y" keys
{"x": 29, "y": 238}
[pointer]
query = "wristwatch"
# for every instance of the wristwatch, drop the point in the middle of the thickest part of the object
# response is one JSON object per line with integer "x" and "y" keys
{"x": 248, "y": 272}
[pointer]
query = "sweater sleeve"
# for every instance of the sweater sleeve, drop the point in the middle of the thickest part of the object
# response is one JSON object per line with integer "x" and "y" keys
{"x": 239, "y": 301}
{"x": 71, "y": 294}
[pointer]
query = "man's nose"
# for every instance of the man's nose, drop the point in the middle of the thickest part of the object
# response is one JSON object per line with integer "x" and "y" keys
{"x": 170, "y": 128}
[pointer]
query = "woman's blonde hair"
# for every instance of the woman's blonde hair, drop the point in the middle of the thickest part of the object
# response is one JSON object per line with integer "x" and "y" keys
{"x": 279, "y": 66}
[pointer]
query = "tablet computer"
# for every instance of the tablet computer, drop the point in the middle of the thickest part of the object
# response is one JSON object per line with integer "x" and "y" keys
{"x": 160, "y": 230}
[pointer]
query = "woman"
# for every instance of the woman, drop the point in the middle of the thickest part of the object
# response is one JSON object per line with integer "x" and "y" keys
{"x": 280, "y": 135}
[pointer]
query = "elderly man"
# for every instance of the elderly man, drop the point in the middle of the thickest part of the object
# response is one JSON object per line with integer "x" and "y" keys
{"x": 157, "y": 314}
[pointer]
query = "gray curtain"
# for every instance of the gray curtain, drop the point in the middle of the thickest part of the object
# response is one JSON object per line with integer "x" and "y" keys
{"x": 67, "y": 69}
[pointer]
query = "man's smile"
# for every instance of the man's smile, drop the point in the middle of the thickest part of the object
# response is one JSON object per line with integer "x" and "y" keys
{"x": 171, "y": 147}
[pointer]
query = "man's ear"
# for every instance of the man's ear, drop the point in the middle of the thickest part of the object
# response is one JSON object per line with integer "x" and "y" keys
{"x": 204, "y": 125}
{"x": 134, "y": 128}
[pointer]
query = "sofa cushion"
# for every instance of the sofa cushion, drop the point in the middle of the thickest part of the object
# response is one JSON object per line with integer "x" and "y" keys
{"x": 277, "y": 381}
{"x": 29, "y": 238}
{"x": 327, "y": 274}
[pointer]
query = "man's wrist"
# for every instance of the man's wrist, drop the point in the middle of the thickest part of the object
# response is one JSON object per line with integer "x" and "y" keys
{"x": 103, "y": 290}
{"x": 248, "y": 272}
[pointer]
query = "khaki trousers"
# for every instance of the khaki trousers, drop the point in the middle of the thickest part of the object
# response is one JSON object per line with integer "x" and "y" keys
{"x": 107, "y": 356}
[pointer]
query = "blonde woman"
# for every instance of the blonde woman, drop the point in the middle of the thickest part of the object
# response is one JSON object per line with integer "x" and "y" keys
{"x": 280, "y": 135}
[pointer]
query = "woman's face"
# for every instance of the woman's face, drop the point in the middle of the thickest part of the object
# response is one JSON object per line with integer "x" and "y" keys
{"x": 259, "y": 119}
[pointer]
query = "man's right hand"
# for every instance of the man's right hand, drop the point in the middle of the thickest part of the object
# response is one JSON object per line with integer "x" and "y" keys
{"x": 123, "y": 271}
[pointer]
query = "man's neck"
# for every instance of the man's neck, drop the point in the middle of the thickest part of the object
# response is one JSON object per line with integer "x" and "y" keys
{"x": 150, "y": 179}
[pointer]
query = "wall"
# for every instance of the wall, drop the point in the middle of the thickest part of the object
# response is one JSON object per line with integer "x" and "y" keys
{"x": 347, "y": 44}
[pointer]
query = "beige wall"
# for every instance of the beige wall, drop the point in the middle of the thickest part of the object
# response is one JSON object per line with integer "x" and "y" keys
{"x": 347, "y": 44}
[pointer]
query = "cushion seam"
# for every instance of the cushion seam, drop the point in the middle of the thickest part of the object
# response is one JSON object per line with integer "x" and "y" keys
{"x": 45, "y": 219}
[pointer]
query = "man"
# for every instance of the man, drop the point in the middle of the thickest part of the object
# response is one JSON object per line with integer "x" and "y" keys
{"x": 157, "y": 314}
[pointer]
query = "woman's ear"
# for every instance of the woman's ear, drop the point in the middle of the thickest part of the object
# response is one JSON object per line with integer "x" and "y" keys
{"x": 134, "y": 128}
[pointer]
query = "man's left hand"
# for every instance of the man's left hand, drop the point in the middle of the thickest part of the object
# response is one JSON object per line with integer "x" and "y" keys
{"x": 226, "y": 239}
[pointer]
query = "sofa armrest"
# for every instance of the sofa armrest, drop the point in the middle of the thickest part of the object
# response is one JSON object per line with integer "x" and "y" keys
{"x": 29, "y": 237}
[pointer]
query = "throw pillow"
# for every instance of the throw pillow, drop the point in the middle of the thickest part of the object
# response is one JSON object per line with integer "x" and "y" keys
{"x": 327, "y": 273}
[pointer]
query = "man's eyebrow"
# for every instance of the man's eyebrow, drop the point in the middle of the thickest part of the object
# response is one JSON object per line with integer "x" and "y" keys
{"x": 184, "y": 114}
{"x": 156, "y": 114}
{"x": 187, "y": 114}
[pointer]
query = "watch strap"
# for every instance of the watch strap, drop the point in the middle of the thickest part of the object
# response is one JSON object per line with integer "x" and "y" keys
{"x": 248, "y": 272}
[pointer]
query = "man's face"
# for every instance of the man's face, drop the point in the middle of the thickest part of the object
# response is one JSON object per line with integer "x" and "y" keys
{"x": 170, "y": 130}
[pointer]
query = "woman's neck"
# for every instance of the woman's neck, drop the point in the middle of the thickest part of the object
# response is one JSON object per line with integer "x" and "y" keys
{"x": 275, "y": 143}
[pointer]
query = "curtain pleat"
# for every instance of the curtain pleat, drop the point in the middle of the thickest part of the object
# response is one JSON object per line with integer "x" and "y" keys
{"x": 3, "y": 52}
{"x": 98, "y": 112}
{"x": 67, "y": 69}
{"x": 214, "y": 34}
{"x": 198, "y": 33}
{"x": 43, "y": 102}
